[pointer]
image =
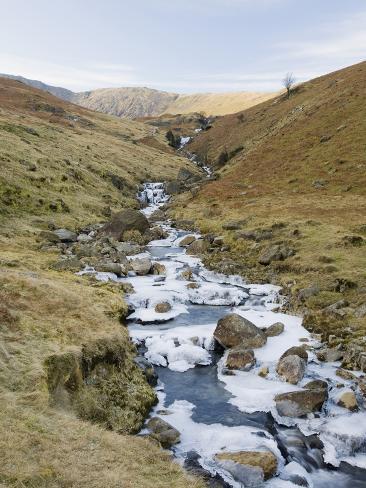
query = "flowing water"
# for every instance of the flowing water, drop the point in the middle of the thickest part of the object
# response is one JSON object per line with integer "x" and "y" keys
{"x": 215, "y": 412}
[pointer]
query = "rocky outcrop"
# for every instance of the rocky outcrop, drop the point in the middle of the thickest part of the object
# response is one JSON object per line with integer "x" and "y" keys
{"x": 296, "y": 351}
{"x": 234, "y": 330}
{"x": 275, "y": 253}
{"x": 300, "y": 403}
{"x": 240, "y": 358}
{"x": 163, "y": 432}
{"x": 123, "y": 221}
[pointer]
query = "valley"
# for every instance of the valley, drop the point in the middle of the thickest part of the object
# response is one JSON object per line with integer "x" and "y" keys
{"x": 209, "y": 297}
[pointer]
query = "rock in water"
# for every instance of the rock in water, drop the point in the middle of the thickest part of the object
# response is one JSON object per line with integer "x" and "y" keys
{"x": 126, "y": 220}
{"x": 186, "y": 241}
{"x": 163, "y": 432}
{"x": 116, "y": 268}
{"x": 234, "y": 330}
{"x": 266, "y": 461}
{"x": 141, "y": 266}
{"x": 275, "y": 329}
{"x": 240, "y": 358}
{"x": 300, "y": 403}
{"x": 158, "y": 269}
{"x": 163, "y": 307}
{"x": 348, "y": 400}
{"x": 291, "y": 369}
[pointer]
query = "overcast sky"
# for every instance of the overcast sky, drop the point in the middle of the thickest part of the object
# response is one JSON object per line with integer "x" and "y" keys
{"x": 182, "y": 46}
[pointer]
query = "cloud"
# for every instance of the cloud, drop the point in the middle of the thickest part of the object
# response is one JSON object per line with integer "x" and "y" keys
{"x": 343, "y": 40}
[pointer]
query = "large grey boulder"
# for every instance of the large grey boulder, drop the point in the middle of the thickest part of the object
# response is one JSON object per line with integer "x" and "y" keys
{"x": 300, "y": 403}
{"x": 126, "y": 220}
{"x": 291, "y": 369}
{"x": 163, "y": 432}
{"x": 234, "y": 330}
{"x": 186, "y": 241}
{"x": 66, "y": 235}
{"x": 141, "y": 266}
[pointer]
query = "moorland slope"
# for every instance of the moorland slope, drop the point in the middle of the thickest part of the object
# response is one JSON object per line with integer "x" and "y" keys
{"x": 289, "y": 198}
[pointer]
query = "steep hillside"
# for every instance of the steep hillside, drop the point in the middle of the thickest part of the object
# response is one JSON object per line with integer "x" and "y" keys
{"x": 70, "y": 391}
{"x": 290, "y": 199}
{"x": 58, "y": 91}
{"x": 126, "y": 102}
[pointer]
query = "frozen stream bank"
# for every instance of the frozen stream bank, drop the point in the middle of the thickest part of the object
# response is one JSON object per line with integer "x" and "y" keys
{"x": 216, "y": 412}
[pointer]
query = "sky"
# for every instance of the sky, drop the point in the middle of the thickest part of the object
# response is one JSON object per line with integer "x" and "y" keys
{"x": 183, "y": 46}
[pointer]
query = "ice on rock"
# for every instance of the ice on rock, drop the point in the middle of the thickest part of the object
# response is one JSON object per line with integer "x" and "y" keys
{"x": 163, "y": 350}
{"x": 215, "y": 294}
{"x": 148, "y": 315}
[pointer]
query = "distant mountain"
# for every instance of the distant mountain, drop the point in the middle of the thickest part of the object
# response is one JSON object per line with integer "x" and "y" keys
{"x": 59, "y": 92}
{"x": 134, "y": 102}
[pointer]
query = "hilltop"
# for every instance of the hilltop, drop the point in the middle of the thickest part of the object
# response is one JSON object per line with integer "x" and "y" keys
{"x": 71, "y": 392}
{"x": 289, "y": 199}
{"x": 135, "y": 102}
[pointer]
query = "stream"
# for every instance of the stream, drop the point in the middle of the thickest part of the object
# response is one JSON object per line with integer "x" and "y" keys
{"x": 216, "y": 412}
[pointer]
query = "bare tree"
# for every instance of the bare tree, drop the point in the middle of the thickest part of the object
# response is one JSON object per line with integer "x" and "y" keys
{"x": 288, "y": 82}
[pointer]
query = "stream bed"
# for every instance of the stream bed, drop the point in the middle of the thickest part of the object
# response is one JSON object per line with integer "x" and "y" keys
{"x": 216, "y": 412}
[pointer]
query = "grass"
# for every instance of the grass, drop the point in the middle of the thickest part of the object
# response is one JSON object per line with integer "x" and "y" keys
{"x": 302, "y": 164}
{"x": 70, "y": 393}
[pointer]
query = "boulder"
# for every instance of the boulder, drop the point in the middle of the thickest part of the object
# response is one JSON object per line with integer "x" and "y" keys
{"x": 330, "y": 354}
{"x": 116, "y": 268}
{"x": 49, "y": 236}
{"x": 163, "y": 432}
{"x": 187, "y": 274}
{"x": 192, "y": 286}
{"x": 348, "y": 400}
{"x": 141, "y": 266}
{"x": 275, "y": 253}
{"x": 158, "y": 269}
{"x": 66, "y": 235}
{"x": 360, "y": 312}
{"x": 185, "y": 174}
{"x": 316, "y": 385}
{"x": 199, "y": 246}
{"x": 308, "y": 292}
{"x": 126, "y": 220}
{"x": 234, "y": 330}
{"x": 240, "y": 358}
{"x": 291, "y": 369}
{"x": 163, "y": 307}
{"x": 263, "y": 372}
{"x": 296, "y": 351}
{"x": 266, "y": 461}
{"x": 275, "y": 329}
{"x": 173, "y": 187}
{"x": 300, "y": 403}
{"x": 186, "y": 241}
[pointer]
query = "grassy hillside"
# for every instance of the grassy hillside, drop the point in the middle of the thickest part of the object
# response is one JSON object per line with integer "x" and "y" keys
{"x": 216, "y": 103}
{"x": 291, "y": 173}
{"x": 62, "y": 165}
